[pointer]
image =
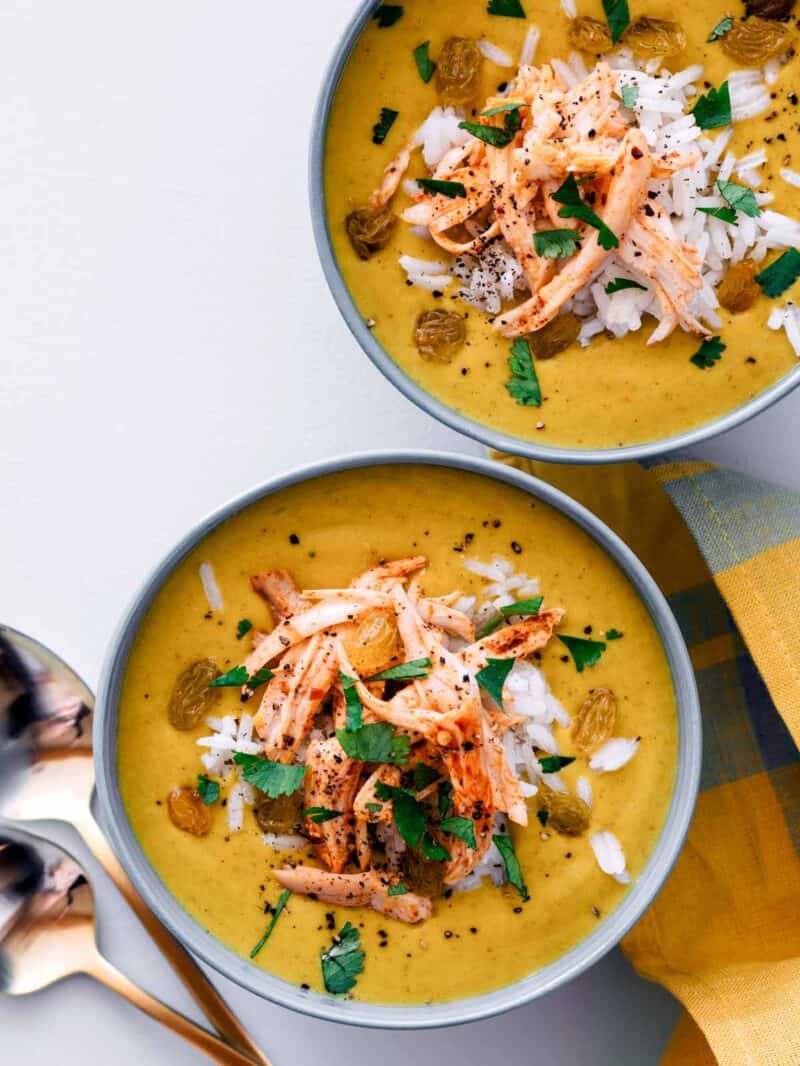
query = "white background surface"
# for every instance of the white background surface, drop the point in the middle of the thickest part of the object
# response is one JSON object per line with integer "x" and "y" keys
{"x": 166, "y": 341}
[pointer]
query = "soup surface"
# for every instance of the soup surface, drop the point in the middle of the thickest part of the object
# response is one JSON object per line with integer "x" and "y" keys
{"x": 325, "y": 531}
{"x": 616, "y": 391}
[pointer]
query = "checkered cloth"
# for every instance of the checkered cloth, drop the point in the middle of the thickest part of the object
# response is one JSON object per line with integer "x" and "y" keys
{"x": 724, "y": 934}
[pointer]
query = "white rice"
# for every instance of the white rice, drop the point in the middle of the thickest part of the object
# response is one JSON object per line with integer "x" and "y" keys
{"x": 426, "y": 274}
{"x": 529, "y": 45}
{"x": 610, "y": 856}
{"x": 439, "y": 133}
{"x": 792, "y": 177}
{"x": 584, "y": 790}
{"x": 210, "y": 587}
{"x": 613, "y": 755}
{"x": 787, "y": 318}
{"x": 570, "y": 9}
{"x": 495, "y": 55}
{"x": 285, "y": 842}
{"x": 491, "y": 865}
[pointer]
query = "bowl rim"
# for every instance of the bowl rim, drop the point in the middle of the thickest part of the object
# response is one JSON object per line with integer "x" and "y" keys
{"x": 414, "y": 392}
{"x": 572, "y": 963}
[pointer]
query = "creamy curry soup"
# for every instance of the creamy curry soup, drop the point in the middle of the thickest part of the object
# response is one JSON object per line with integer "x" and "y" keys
{"x": 473, "y": 810}
{"x": 574, "y": 210}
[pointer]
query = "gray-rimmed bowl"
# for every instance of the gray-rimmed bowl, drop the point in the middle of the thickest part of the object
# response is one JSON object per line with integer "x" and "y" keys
{"x": 575, "y": 961}
{"x": 406, "y": 384}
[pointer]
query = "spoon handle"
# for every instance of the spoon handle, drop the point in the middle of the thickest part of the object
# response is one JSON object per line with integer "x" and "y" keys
{"x": 110, "y": 976}
{"x": 205, "y": 994}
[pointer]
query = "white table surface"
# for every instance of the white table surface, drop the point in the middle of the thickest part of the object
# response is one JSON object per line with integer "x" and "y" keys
{"x": 163, "y": 318}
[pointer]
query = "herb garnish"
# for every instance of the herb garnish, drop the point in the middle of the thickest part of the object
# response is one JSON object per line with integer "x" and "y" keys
{"x": 524, "y": 382}
{"x": 521, "y": 607}
{"x": 425, "y": 65}
{"x": 725, "y": 25}
{"x": 244, "y": 626}
{"x": 493, "y": 676}
{"x": 272, "y": 778}
{"x": 708, "y": 353}
{"x": 496, "y": 136}
{"x": 238, "y": 676}
{"x": 376, "y": 742}
{"x": 397, "y": 890}
{"x": 501, "y": 108}
{"x": 409, "y": 816}
{"x": 387, "y": 15}
{"x": 713, "y": 109}
{"x": 433, "y": 850}
{"x": 551, "y": 764}
{"x": 512, "y": 9}
{"x": 380, "y": 130}
{"x": 556, "y": 243}
{"x": 451, "y": 189}
{"x": 374, "y": 807}
{"x": 352, "y": 701}
{"x": 617, "y": 16}
{"x": 282, "y": 900}
{"x": 726, "y": 214}
{"x": 629, "y": 94}
{"x": 424, "y": 775}
{"x": 584, "y": 652}
{"x": 569, "y": 195}
{"x": 320, "y": 814}
{"x": 543, "y": 815}
{"x": 740, "y": 198}
{"x": 343, "y": 961}
{"x": 208, "y": 789}
{"x": 463, "y": 828}
{"x": 445, "y": 800}
{"x": 413, "y": 668}
{"x": 781, "y": 274}
{"x": 614, "y": 634}
{"x": 513, "y": 869}
{"x": 618, "y": 284}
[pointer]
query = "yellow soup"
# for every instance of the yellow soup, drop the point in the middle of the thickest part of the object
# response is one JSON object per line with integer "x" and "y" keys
{"x": 325, "y": 531}
{"x": 615, "y": 391}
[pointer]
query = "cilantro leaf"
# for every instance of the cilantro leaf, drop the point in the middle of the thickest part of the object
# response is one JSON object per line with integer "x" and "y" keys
{"x": 244, "y": 626}
{"x": 433, "y": 850}
{"x": 713, "y": 109}
{"x": 413, "y": 668}
{"x": 425, "y": 65}
{"x": 376, "y": 742}
{"x": 208, "y": 789}
{"x": 463, "y": 828}
{"x": 551, "y": 764}
{"x": 727, "y": 214}
{"x": 320, "y": 814}
{"x": 272, "y": 778}
{"x": 496, "y": 136}
{"x": 617, "y": 16}
{"x": 512, "y": 9}
{"x": 408, "y": 815}
{"x": 629, "y": 94}
{"x": 614, "y": 634}
{"x": 521, "y": 607}
{"x": 343, "y": 961}
{"x": 445, "y": 801}
{"x": 282, "y": 900}
{"x": 510, "y": 106}
{"x": 556, "y": 243}
{"x": 238, "y": 676}
{"x": 387, "y": 15}
{"x": 725, "y": 25}
{"x": 513, "y": 869}
{"x": 374, "y": 807}
{"x": 780, "y": 275}
{"x": 584, "y": 652}
{"x": 493, "y": 676}
{"x": 380, "y": 131}
{"x": 424, "y": 775}
{"x": 352, "y": 701}
{"x": 569, "y": 195}
{"x": 524, "y": 382}
{"x": 397, "y": 890}
{"x": 708, "y": 353}
{"x": 740, "y": 198}
{"x": 618, "y": 284}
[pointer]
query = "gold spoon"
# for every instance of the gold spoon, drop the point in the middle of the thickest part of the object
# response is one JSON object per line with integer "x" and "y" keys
{"x": 47, "y": 773}
{"x": 47, "y": 933}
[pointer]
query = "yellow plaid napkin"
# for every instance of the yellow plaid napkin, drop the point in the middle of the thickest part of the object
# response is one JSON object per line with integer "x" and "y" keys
{"x": 724, "y": 934}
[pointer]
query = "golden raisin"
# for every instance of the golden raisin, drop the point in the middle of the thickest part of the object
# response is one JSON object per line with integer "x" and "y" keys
{"x": 370, "y": 229}
{"x": 280, "y": 815}
{"x": 191, "y": 698}
{"x": 650, "y": 38}
{"x": 594, "y": 723}
{"x": 738, "y": 289}
{"x": 755, "y": 40}
{"x": 439, "y": 334}
{"x": 770, "y": 9}
{"x": 566, "y": 814}
{"x": 374, "y": 644}
{"x": 458, "y": 71}
{"x": 590, "y": 35}
{"x": 561, "y": 332}
{"x": 188, "y": 812}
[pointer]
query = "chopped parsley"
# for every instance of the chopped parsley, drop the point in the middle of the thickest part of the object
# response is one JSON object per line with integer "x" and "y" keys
{"x": 709, "y": 352}
{"x": 513, "y": 869}
{"x": 376, "y": 742}
{"x": 556, "y": 243}
{"x": 501, "y": 108}
{"x": 714, "y": 108}
{"x": 413, "y": 668}
{"x": 781, "y": 274}
{"x": 425, "y": 65}
{"x": 496, "y": 136}
{"x": 523, "y": 384}
{"x": 618, "y": 284}
{"x": 739, "y": 198}
{"x": 272, "y": 778}
{"x": 387, "y": 15}
{"x": 424, "y": 775}
{"x": 408, "y": 814}
{"x": 584, "y": 652}
{"x": 493, "y": 676}
{"x": 551, "y": 764}
{"x": 433, "y": 850}
{"x": 397, "y": 890}
{"x": 343, "y": 961}
{"x": 614, "y": 634}
{"x": 727, "y": 214}
{"x": 380, "y": 131}
{"x": 320, "y": 814}
{"x": 374, "y": 807}
{"x": 282, "y": 900}
{"x": 511, "y": 9}
{"x": 208, "y": 789}
{"x": 244, "y": 626}
{"x": 445, "y": 798}
{"x": 452, "y": 189}
{"x": 352, "y": 702}
{"x": 617, "y": 16}
{"x": 238, "y": 676}
{"x": 570, "y": 196}
{"x": 725, "y": 25}
{"x": 521, "y": 607}
{"x": 463, "y": 828}
{"x": 629, "y": 94}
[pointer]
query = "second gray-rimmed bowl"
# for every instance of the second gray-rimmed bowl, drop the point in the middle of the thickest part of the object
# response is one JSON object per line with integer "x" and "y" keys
{"x": 382, "y": 359}
{"x": 575, "y": 961}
